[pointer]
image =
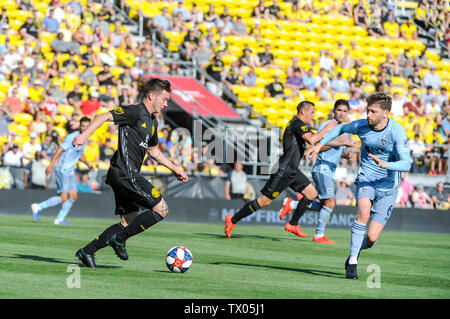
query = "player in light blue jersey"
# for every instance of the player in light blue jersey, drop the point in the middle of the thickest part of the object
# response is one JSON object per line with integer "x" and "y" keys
{"x": 384, "y": 155}
{"x": 323, "y": 174}
{"x": 63, "y": 164}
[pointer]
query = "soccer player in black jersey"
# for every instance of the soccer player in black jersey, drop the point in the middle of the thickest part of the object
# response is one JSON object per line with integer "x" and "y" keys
{"x": 288, "y": 175}
{"x": 138, "y": 202}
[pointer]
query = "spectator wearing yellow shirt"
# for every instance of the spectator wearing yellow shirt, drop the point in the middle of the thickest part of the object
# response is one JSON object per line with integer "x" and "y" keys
{"x": 392, "y": 28}
{"x": 420, "y": 16}
{"x": 36, "y": 92}
{"x": 92, "y": 152}
{"x": 409, "y": 30}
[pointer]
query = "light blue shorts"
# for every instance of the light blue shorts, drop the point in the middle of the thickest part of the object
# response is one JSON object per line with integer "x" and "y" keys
{"x": 65, "y": 181}
{"x": 382, "y": 201}
{"x": 325, "y": 185}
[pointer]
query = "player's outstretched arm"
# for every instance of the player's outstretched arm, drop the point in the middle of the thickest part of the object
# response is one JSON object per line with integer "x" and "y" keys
{"x": 162, "y": 159}
{"x": 403, "y": 165}
{"x": 312, "y": 139}
{"x": 93, "y": 126}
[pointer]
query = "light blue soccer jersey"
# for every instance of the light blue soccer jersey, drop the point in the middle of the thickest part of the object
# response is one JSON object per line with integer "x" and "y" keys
{"x": 390, "y": 145}
{"x": 328, "y": 160}
{"x": 71, "y": 154}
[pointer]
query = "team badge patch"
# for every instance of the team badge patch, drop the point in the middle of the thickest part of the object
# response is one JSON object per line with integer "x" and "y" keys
{"x": 155, "y": 192}
{"x": 275, "y": 194}
{"x": 304, "y": 128}
{"x": 144, "y": 125}
{"x": 383, "y": 141}
{"x": 118, "y": 110}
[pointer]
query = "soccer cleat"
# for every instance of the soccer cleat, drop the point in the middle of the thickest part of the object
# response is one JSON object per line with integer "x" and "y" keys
{"x": 286, "y": 209}
{"x": 36, "y": 211}
{"x": 323, "y": 240}
{"x": 351, "y": 271}
{"x": 229, "y": 226}
{"x": 119, "y": 247}
{"x": 61, "y": 222}
{"x": 86, "y": 259}
{"x": 348, "y": 258}
{"x": 295, "y": 230}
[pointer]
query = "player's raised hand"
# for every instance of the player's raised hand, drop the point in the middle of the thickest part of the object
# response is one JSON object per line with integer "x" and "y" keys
{"x": 378, "y": 161}
{"x": 79, "y": 140}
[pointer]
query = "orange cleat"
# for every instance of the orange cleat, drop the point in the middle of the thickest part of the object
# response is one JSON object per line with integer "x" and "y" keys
{"x": 323, "y": 240}
{"x": 229, "y": 226}
{"x": 286, "y": 209}
{"x": 295, "y": 230}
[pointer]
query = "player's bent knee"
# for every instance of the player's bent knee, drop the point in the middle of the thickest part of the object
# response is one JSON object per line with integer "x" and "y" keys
{"x": 310, "y": 192}
{"x": 162, "y": 208}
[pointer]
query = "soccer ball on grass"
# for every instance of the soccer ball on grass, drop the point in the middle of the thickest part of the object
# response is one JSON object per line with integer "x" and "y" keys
{"x": 179, "y": 259}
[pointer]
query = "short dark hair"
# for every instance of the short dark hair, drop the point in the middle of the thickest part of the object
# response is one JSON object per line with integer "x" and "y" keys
{"x": 303, "y": 105}
{"x": 156, "y": 85}
{"x": 380, "y": 98}
{"x": 85, "y": 119}
{"x": 341, "y": 102}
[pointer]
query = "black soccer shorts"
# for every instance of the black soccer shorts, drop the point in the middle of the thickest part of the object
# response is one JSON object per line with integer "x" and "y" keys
{"x": 282, "y": 179}
{"x": 132, "y": 194}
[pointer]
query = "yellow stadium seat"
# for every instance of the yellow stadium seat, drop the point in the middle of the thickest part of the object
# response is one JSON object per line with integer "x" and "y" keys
{"x": 19, "y": 129}
{"x": 23, "y": 118}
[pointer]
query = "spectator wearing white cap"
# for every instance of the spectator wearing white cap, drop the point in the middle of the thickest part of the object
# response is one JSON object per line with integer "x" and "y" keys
{"x": 14, "y": 157}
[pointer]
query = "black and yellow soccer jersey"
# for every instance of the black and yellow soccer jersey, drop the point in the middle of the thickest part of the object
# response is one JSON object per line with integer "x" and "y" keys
{"x": 138, "y": 130}
{"x": 293, "y": 144}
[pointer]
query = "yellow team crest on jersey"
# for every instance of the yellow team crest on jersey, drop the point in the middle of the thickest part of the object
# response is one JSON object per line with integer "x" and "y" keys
{"x": 304, "y": 128}
{"x": 144, "y": 125}
{"x": 275, "y": 194}
{"x": 118, "y": 110}
{"x": 155, "y": 192}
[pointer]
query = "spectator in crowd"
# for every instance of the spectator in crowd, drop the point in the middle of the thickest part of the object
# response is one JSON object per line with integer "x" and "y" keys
{"x": 196, "y": 15}
{"x": 236, "y": 185}
{"x": 250, "y": 78}
{"x": 49, "y": 23}
{"x": 83, "y": 185}
{"x": 326, "y": 62}
{"x": 344, "y": 196}
{"x": 432, "y": 79}
{"x": 186, "y": 15}
{"x": 339, "y": 84}
{"x": 360, "y": 17}
{"x": 420, "y": 199}
{"x": 418, "y": 149}
{"x": 34, "y": 175}
{"x": 239, "y": 27}
{"x": 397, "y": 105}
{"x": 442, "y": 96}
{"x": 415, "y": 106}
{"x": 106, "y": 151}
{"x": 415, "y": 80}
{"x": 428, "y": 96}
{"x": 59, "y": 45}
{"x": 29, "y": 30}
{"x": 443, "y": 122}
{"x": 275, "y": 88}
{"x": 233, "y": 75}
{"x": 30, "y": 148}
{"x": 14, "y": 157}
{"x": 190, "y": 42}
{"x": 295, "y": 82}
{"x": 90, "y": 106}
{"x": 266, "y": 58}
{"x": 309, "y": 81}
{"x": 405, "y": 191}
{"x": 261, "y": 11}
{"x": 249, "y": 59}
{"x": 215, "y": 70}
{"x": 440, "y": 197}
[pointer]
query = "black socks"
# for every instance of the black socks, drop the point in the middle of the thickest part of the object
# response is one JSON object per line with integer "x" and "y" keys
{"x": 299, "y": 211}
{"x": 100, "y": 241}
{"x": 245, "y": 211}
{"x": 141, "y": 223}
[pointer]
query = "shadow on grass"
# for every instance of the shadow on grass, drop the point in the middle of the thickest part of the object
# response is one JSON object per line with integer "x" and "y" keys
{"x": 53, "y": 260}
{"x": 314, "y": 272}
{"x": 222, "y": 236}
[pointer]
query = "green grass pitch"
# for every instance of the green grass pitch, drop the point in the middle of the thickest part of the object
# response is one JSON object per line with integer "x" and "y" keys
{"x": 257, "y": 262}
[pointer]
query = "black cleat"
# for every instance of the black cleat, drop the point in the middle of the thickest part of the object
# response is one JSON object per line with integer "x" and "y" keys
{"x": 351, "y": 272}
{"x": 119, "y": 247}
{"x": 86, "y": 259}
{"x": 348, "y": 258}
